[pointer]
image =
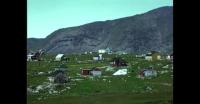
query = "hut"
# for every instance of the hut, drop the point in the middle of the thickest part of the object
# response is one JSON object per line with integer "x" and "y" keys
{"x": 101, "y": 51}
{"x": 108, "y": 50}
{"x": 148, "y": 73}
{"x": 153, "y": 56}
{"x": 96, "y": 72}
{"x": 29, "y": 57}
{"x": 35, "y": 55}
{"x": 171, "y": 57}
{"x": 96, "y": 58}
{"x": 118, "y": 62}
{"x": 85, "y": 71}
{"x": 168, "y": 57}
{"x": 148, "y": 57}
{"x": 99, "y": 57}
{"x": 59, "y": 57}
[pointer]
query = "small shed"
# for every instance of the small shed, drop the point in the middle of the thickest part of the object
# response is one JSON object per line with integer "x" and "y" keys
{"x": 156, "y": 55}
{"x": 102, "y": 51}
{"x": 152, "y": 56}
{"x": 168, "y": 57}
{"x": 148, "y": 57}
{"x": 29, "y": 57}
{"x": 59, "y": 57}
{"x": 96, "y": 72}
{"x": 100, "y": 57}
{"x": 96, "y": 58}
{"x": 108, "y": 50}
{"x": 85, "y": 71}
{"x": 118, "y": 61}
{"x": 148, "y": 73}
{"x": 171, "y": 57}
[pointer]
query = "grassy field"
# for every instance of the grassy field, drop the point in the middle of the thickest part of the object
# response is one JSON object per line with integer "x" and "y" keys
{"x": 107, "y": 89}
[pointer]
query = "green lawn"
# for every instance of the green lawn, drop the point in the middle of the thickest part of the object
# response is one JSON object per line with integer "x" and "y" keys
{"x": 104, "y": 90}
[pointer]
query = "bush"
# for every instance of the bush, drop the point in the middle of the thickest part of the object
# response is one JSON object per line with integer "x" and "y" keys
{"x": 60, "y": 78}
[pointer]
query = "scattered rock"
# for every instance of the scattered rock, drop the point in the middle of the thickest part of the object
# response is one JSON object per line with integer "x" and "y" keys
{"x": 68, "y": 88}
{"x": 165, "y": 67}
{"x": 164, "y": 71}
{"x": 41, "y": 73}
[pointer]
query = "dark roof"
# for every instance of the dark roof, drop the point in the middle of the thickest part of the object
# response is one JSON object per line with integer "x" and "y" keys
{"x": 153, "y": 52}
{"x": 147, "y": 70}
{"x": 148, "y": 54}
{"x": 96, "y": 69}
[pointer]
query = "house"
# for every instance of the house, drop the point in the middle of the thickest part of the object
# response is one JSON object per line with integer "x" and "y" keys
{"x": 29, "y": 57}
{"x": 121, "y": 72}
{"x": 171, "y": 57}
{"x": 35, "y": 55}
{"x": 117, "y": 61}
{"x": 95, "y": 72}
{"x": 108, "y": 50}
{"x": 59, "y": 57}
{"x": 102, "y": 51}
{"x": 96, "y": 58}
{"x": 100, "y": 57}
{"x": 85, "y": 71}
{"x": 148, "y": 57}
{"x": 168, "y": 57}
{"x": 148, "y": 73}
{"x": 153, "y": 56}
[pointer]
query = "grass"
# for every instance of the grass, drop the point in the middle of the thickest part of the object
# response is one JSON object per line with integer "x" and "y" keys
{"x": 104, "y": 90}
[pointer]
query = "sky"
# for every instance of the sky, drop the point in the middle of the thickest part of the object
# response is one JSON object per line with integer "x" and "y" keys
{"x": 46, "y": 16}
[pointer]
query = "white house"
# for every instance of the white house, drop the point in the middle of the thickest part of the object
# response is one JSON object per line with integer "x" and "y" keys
{"x": 148, "y": 73}
{"x": 85, "y": 52}
{"x": 59, "y": 57}
{"x": 168, "y": 57}
{"x": 96, "y": 58}
{"x": 102, "y": 51}
{"x": 96, "y": 72}
{"x": 100, "y": 57}
{"x": 148, "y": 57}
{"x": 29, "y": 57}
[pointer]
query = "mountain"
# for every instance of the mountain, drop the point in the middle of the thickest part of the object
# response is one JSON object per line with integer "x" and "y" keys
{"x": 140, "y": 33}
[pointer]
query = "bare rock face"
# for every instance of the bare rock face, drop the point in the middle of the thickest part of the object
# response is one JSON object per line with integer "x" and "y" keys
{"x": 140, "y": 33}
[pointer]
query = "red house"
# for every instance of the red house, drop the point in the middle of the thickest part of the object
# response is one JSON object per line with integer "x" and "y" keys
{"x": 85, "y": 71}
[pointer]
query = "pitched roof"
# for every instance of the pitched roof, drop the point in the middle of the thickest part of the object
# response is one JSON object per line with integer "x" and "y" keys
{"x": 59, "y": 55}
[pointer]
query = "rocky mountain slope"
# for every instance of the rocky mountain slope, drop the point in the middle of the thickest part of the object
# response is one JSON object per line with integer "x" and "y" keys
{"x": 140, "y": 33}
